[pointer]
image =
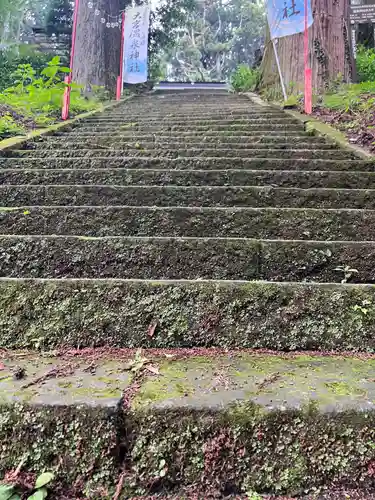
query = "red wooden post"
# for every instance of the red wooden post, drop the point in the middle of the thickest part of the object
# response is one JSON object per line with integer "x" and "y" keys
{"x": 68, "y": 79}
{"x": 308, "y": 71}
{"x": 120, "y": 82}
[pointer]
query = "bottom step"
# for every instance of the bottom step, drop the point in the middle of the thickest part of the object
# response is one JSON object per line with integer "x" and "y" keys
{"x": 225, "y": 422}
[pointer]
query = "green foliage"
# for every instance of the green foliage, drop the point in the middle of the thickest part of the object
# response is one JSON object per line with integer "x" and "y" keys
{"x": 165, "y": 23}
{"x": 39, "y": 98}
{"x": 291, "y": 102}
{"x": 7, "y": 492}
{"x": 252, "y": 495}
{"x": 351, "y": 97}
{"x": 11, "y": 59}
{"x": 347, "y": 271}
{"x": 44, "y": 479}
{"x": 11, "y": 492}
{"x": 272, "y": 93}
{"x": 8, "y": 126}
{"x": 216, "y": 37}
{"x": 245, "y": 78}
{"x": 365, "y": 64}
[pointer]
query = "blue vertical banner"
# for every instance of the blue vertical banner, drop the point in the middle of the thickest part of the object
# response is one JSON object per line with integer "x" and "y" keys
{"x": 287, "y": 17}
{"x": 137, "y": 20}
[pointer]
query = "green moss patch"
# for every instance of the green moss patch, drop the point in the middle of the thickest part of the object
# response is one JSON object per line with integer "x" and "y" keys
{"x": 143, "y": 144}
{"x": 297, "y": 224}
{"x": 190, "y": 138}
{"x": 187, "y": 163}
{"x": 240, "y": 196}
{"x": 221, "y": 177}
{"x": 48, "y": 314}
{"x": 184, "y": 153}
{"x": 145, "y": 258}
{"x": 232, "y": 423}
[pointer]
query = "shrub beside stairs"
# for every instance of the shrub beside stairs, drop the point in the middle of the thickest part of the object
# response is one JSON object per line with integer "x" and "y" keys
{"x": 237, "y": 252}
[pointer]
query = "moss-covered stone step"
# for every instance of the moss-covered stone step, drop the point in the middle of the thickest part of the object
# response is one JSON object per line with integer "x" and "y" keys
{"x": 144, "y": 258}
{"x": 85, "y": 313}
{"x": 161, "y": 128}
{"x": 233, "y": 177}
{"x": 186, "y": 138}
{"x": 261, "y": 223}
{"x": 226, "y": 111}
{"x": 170, "y": 258}
{"x": 74, "y": 131}
{"x": 326, "y": 493}
{"x": 167, "y": 121}
{"x": 230, "y": 422}
{"x": 193, "y": 196}
{"x": 141, "y": 109}
{"x": 159, "y": 145}
{"x": 142, "y": 106}
{"x": 104, "y": 152}
{"x": 159, "y": 104}
{"x": 199, "y": 114}
{"x": 194, "y": 163}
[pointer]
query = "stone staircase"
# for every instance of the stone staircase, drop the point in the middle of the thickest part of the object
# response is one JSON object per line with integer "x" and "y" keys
{"x": 238, "y": 252}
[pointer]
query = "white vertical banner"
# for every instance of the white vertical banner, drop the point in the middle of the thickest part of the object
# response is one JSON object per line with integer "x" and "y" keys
{"x": 137, "y": 22}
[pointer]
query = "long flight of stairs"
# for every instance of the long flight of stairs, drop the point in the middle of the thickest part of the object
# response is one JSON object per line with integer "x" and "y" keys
{"x": 176, "y": 273}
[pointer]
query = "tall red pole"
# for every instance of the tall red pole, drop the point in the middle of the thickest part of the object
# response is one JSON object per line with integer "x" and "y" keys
{"x": 120, "y": 82}
{"x": 308, "y": 71}
{"x": 68, "y": 79}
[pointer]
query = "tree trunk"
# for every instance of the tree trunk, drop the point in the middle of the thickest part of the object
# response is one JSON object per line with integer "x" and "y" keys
{"x": 97, "y": 53}
{"x": 329, "y": 50}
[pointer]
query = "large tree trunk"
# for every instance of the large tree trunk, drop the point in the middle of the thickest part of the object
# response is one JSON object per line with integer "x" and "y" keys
{"x": 97, "y": 54}
{"x": 330, "y": 54}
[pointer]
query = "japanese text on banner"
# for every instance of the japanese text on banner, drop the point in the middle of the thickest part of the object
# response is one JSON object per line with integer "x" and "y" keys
{"x": 137, "y": 20}
{"x": 287, "y": 17}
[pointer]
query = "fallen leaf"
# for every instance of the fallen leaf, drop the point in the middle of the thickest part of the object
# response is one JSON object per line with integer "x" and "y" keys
{"x": 153, "y": 369}
{"x": 152, "y": 328}
{"x": 137, "y": 363}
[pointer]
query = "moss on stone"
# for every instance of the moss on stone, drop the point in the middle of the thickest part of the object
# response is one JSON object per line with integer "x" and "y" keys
{"x": 222, "y": 176}
{"x": 172, "y": 382}
{"x": 296, "y": 224}
{"x": 52, "y": 313}
{"x": 188, "y": 163}
{"x": 344, "y": 389}
{"x": 200, "y": 196}
{"x": 241, "y": 446}
{"x": 185, "y": 153}
{"x": 74, "y": 442}
{"x": 279, "y": 452}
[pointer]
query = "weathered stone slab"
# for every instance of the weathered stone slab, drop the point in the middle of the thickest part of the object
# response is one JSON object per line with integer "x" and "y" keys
{"x": 226, "y": 177}
{"x": 207, "y": 423}
{"x": 52, "y": 381}
{"x": 189, "y": 196}
{"x": 90, "y": 313}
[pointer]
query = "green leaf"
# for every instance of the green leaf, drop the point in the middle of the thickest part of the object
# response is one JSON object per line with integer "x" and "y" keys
{"x": 6, "y": 491}
{"x": 39, "y": 494}
{"x": 15, "y": 497}
{"x": 55, "y": 61}
{"x": 64, "y": 69}
{"x": 44, "y": 479}
{"x": 50, "y": 71}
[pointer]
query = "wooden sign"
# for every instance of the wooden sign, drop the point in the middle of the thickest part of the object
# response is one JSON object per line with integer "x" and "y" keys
{"x": 361, "y": 14}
